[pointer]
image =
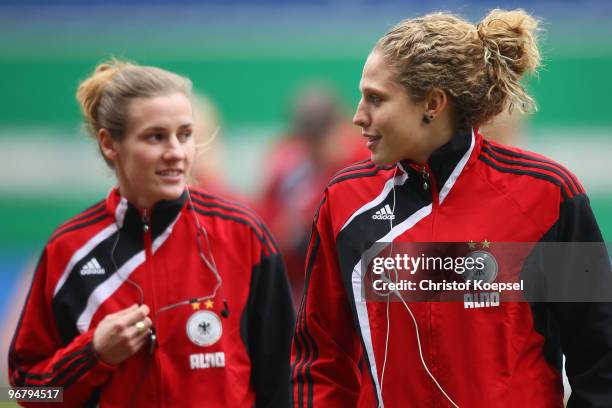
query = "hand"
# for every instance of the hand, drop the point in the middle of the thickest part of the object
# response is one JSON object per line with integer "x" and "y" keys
{"x": 116, "y": 338}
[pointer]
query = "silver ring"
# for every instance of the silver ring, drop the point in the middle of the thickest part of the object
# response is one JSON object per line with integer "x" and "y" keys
{"x": 140, "y": 326}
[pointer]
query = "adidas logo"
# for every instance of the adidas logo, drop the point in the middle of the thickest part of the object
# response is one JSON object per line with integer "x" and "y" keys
{"x": 384, "y": 213}
{"x": 92, "y": 268}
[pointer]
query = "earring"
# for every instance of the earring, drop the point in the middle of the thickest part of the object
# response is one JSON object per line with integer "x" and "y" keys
{"x": 427, "y": 119}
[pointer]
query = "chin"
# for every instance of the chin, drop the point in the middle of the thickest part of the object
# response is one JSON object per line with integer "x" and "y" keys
{"x": 172, "y": 193}
{"x": 381, "y": 159}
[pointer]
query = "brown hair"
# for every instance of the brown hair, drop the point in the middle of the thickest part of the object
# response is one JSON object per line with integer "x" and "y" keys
{"x": 104, "y": 96}
{"x": 479, "y": 66}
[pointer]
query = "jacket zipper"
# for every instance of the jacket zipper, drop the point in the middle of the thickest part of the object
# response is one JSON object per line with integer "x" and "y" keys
{"x": 425, "y": 175}
{"x": 149, "y": 274}
{"x": 429, "y": 183}
{"x": 148, "y": 246}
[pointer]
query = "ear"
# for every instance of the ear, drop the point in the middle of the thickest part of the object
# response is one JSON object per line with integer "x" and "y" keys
{"x": 108, "y": 146}
{"x": 435, "y": 103}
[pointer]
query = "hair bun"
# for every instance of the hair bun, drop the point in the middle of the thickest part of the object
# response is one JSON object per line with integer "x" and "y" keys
{"x": 114, "y": 65}
{"x": 510, "y": 39}
{"x": 510, "y": 50}
{"x": 103, "y": 67}
{"x": 90, "y": 91}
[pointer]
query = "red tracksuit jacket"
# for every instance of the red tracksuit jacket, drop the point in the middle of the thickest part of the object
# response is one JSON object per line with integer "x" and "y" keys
{"x": 98, "y": 263}
{"x": 505, "y": 356}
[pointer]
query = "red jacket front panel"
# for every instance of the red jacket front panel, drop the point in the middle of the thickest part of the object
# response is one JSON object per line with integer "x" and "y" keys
{"x": 484, "y": 357}
{"x": 113, "y": 256}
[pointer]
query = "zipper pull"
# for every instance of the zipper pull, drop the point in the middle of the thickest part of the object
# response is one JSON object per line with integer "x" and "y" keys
{"x": 145, "y": 221}
{"x": 425, "y": 175}
{"x": 152, "y": 340}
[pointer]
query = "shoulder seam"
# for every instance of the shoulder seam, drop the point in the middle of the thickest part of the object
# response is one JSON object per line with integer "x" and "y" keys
{"x": 569, "y": 178}
{"x": 363, "y": 164}
{"x": 92, "y": 210}
{"x": 75, "y": 227}
{"x": 531, "y": 173}
{"x": 359, "y": 175}
{"x": 316, "y": 215}
{"x": 256, "y": 225}
{"x": 565, "y": 183}
{"x": 241, "y": 220}
{"x": 240, "y": 209}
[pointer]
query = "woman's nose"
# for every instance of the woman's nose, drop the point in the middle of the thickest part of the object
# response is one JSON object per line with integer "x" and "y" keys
{"x": 360, "y": 118}
{"x": 174, "y": 150}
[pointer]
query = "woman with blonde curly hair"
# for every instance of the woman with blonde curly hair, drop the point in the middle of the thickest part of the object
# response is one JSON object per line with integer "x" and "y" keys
{"x": 161, "y": 294}
{"x": 426, "y": 87}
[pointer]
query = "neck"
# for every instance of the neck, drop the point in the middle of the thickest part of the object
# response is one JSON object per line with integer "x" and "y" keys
{"x": 136, "y": 200}
{"x": 440, "y": 132}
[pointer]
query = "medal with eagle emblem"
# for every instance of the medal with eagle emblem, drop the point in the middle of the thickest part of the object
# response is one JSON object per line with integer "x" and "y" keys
{"x": 487, "y": 273}
{"x": 204, "y": 328}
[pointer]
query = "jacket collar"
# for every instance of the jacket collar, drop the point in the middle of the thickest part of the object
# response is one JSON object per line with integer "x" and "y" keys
{"x": 159, "y": 217}
{"x": 451, "y": 159}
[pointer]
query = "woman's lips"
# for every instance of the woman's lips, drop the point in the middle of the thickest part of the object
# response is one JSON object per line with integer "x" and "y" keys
{"x": 373, "y": 141}
{"x": 173, "y": 175}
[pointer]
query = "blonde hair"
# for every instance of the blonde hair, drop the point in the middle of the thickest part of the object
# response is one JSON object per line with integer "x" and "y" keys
{"x": 209, "y": 145}
{"x": 104, "y": 96}
{"x": 479, "y": 66}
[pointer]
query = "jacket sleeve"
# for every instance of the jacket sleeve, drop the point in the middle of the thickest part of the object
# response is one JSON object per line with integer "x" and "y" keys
{"x": 37, "y": 357}
{"x": 585, "y": 327}
{"x": 267, "y": 326}
{"x": 326, "y": 348}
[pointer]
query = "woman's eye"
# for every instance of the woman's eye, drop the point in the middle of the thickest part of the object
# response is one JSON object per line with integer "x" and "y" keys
{"x": 375, "y": 99}
{"x": 185, "y": 135}
{"x": 155, "y": 137}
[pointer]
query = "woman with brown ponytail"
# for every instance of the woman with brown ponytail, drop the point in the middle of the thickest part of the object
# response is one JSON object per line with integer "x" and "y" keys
{"x": 426, "y": 87}
{"x": 161, "y": 294}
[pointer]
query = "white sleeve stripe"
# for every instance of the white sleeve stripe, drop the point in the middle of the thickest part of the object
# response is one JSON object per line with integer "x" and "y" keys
{"x": 360, "y": 302}
{"x": 457, "y": 171}
{"x": 82, "y": 252}
{"x": 397, "y": 180}
{"x": 107, "y": 288}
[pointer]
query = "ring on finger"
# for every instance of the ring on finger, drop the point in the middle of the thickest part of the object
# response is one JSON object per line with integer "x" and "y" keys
{"x": 140, "y": 326}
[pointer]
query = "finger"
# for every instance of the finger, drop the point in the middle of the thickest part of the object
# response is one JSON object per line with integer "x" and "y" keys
{"x": 122, "y": 312}
{"x": 140, "y": 328}
{"x": 131, "y": 348}
{"x": 139, "y": 342}
{"x": 145, "y": 309}
{"x": 135, "y": 316}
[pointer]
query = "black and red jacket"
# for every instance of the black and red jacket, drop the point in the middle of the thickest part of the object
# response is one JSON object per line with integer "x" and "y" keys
{"x": 100, "y": 261}
{"x": 507, "y": 356}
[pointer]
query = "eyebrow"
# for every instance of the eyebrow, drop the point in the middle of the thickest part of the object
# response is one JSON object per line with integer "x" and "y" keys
{"x": 162, "y": 128}
{"x": 370, "y": 89}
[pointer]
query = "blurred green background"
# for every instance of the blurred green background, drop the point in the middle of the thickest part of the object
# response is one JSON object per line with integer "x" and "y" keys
{"x": 250, "y": 60}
